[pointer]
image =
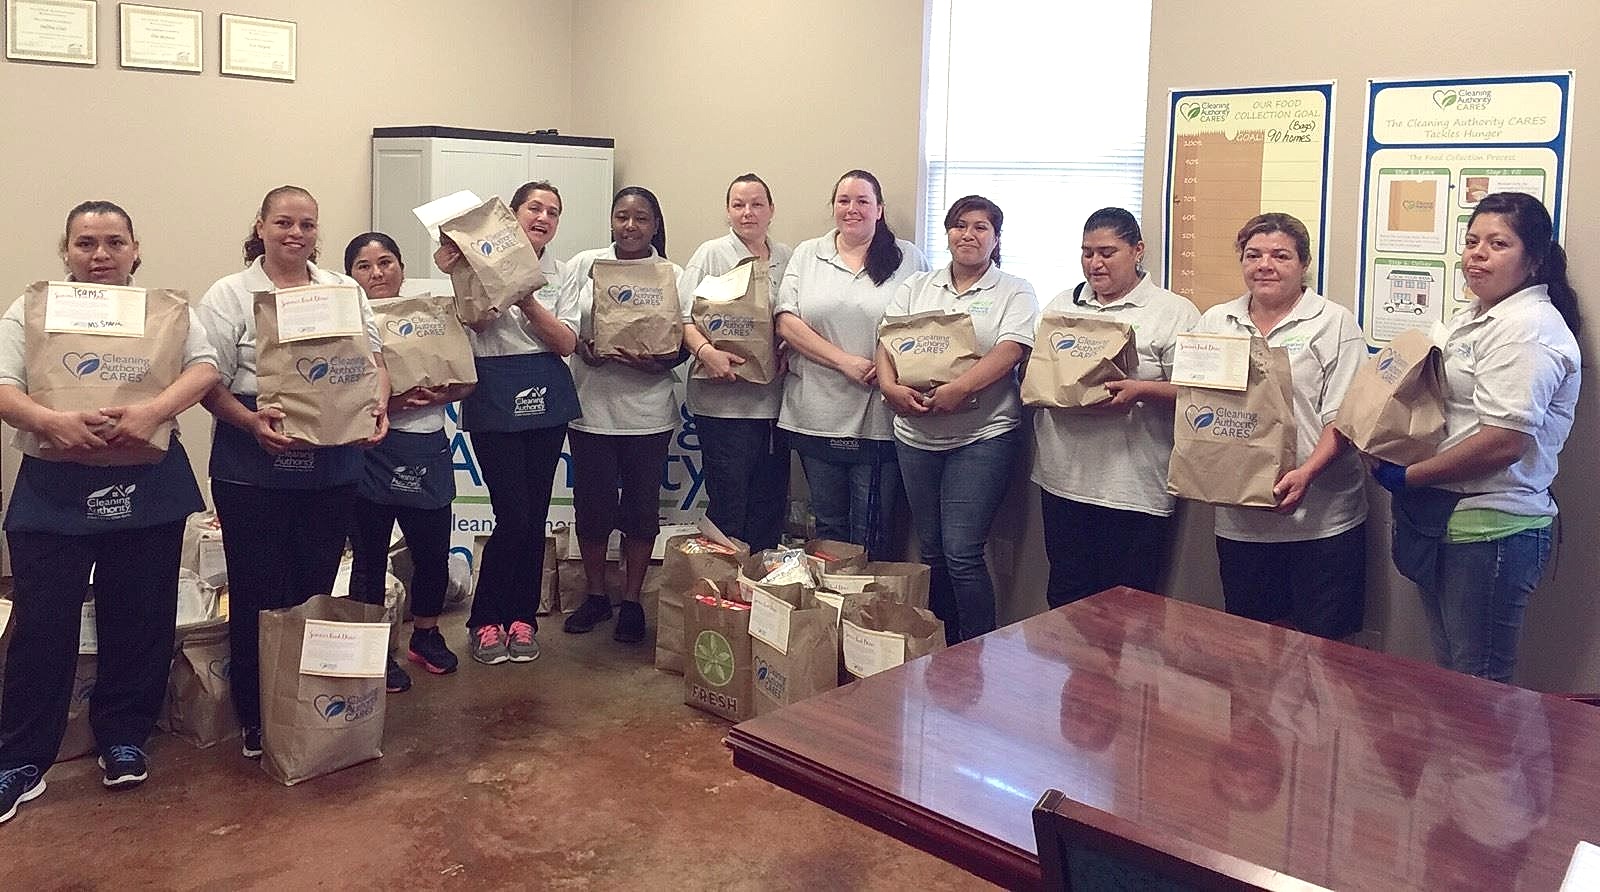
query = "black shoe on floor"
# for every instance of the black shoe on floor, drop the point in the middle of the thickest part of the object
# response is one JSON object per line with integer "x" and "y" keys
{"x": 396, "y": 680}
{"x": 250, "y": 742}
{"x": 19, "y": 785}
{"x": 124, "y": 766}
{"x": 630, "y": 623}
{"x": 429, "y": 651}
{"x": 594, "y": 610}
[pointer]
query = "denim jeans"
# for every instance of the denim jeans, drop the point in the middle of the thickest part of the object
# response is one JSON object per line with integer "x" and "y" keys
{"x": 854, "y": 502}
{"x": 1477, "y": 598}
{"x": 746, "y": 464}
{"x": 954, "y": 495}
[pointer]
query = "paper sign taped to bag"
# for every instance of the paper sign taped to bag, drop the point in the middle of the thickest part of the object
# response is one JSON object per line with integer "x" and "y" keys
{"x": 731, "y": 285}
{"x": 344, "y": 650}
{"x": 88, "y": 632}
{"x": 846, "y": 584}
{"x": 318, "y": 311}
{"x": 5, "y": 615}
{"x": 769, "y": 620}
{"x": 212, "y": 564}
{"x": 81, "y": 308}
{"x": 834, "y": 601}
{"x": 1218, "y": 361}
{"x": 449, "y": 207}
{"x": 867, "y": 652}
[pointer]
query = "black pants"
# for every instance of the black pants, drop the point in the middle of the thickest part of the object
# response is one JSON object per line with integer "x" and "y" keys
{"x": 1319, "y": 584}
{"x": 746, "y": 465}
{"x": 616, "y": 484}
{"x": 136, "y": 611}
{"x": 427, "y": 532}
{"x": 282, "y": 546}
{"x": 518, "y": 468}
{"x": 1092, "y": 548}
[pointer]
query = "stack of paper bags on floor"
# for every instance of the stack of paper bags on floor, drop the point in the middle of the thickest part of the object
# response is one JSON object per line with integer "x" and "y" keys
{"x": 882, "y": 634}
{"x": 708, "y": 554}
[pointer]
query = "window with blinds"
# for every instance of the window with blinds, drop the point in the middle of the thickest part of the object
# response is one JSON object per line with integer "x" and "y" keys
{"x": 1038, "y": 105}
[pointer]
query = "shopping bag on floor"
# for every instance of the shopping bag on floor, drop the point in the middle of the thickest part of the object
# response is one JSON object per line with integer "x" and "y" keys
{"x": 1230, "y": 447}
{"x": 907, "y": 582}
{"x": 1073, "y": 359}
{"x": 199, "y": 705}
{"x": 833, "y": 556}
{"x": 716, "y": 673}
{"x": 707, "y": 554}
{"x": 1394, "y": 409}
{"x": 794, "y": 648}
{"x": 322, "y": 698}
{"x": 883, "y": 633}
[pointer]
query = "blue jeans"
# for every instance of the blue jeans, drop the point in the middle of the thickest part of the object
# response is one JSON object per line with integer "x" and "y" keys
{"x": 954, "y": 495}
{"x": 1477, "y": 598}
{"x": 746, "y": 464}
{"x": 854, "y": 502}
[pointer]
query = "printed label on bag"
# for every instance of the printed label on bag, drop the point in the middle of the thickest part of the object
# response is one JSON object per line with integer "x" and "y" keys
{"x": 318, "y": 311}
{"x": 769, "y": 620}
{"x": 88, "y": 632}
{"x": 868, "y": 652}
{"x": 82, "y": 308}
{"x": 212, "y": 563}
{"x": 344, "y": 650}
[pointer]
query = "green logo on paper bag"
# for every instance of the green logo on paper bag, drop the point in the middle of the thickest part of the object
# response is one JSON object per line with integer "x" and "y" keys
{"x": 713, "y": 658}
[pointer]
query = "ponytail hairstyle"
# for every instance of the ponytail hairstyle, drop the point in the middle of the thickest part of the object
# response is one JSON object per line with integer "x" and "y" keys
{"x": 100, "y": 207}
{"x": 659, "y": 242}
{"x": 748, "y": 178}
{"x": 883, "y": 254}
{"x": 989, "y": 209}
{"x": 1547, "y": 261}
{"x": 520, "y": 197}
{"x": 253, "y": 245}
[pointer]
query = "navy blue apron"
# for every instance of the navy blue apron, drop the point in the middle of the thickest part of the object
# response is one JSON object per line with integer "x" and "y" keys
{"x": 236, "y": 457}
{"x": 527, "y": 391}
{"x": 409, "y": 469}
{"x": 81, "y": 500}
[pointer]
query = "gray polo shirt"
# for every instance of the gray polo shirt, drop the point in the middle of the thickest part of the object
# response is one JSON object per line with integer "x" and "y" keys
{"x": 615, "y": 399}
{"x": 730, "y": 399}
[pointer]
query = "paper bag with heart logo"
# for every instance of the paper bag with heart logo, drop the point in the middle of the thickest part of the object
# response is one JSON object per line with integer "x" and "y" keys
{"x": 424, "y": 344}
{"x": 199, "y": 706}
{"x": 1230, "y": 447}
{"x": 81, "y": 371}
{"x": 735, "y": 312}
{"x": 327, "y": 388}
{"x": 501, "y": 265}
{"x": 636, "y": 308}
{"x": 1394, "y": 409}
{"x": 1074, "y": 357}
{"x": 929, "y": 349}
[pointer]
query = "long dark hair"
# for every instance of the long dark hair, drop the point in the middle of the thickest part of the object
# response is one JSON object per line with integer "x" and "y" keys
{"x": 353, "y": 250}
{"x": 100, "y": 207}
{"x": 1547, "y": 260}
{"x": 659, "y": 242}
{"x": 253, "y": 245}
{"x": 883, "y": 254}
{"x": 997, "y": 218}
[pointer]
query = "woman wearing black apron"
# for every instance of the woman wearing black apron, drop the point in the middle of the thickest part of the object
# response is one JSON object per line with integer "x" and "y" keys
{"x": 284, "y": 506}
{"x": 67, "y": 519}
{"x": 406, "y": 478}
{"x": 518, "y": 420}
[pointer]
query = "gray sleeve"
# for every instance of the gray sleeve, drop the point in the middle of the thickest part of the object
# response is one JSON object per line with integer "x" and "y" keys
{"x": 13, "y": 346}
{"x": 216, "y": 313}
{"x": 197, "y": 348}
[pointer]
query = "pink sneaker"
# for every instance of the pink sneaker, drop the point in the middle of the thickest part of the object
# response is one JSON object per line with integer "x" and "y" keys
{"x": 523, "y": 647}
{"x": 489, "y": 645}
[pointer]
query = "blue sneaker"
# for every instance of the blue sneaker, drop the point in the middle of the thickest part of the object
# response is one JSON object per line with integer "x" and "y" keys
{"x": 19, "y": 785}
{"x": 124, "y": 766}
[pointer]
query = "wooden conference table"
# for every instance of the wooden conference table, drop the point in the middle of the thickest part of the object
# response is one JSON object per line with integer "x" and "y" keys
{"x": 1334, "y": 765}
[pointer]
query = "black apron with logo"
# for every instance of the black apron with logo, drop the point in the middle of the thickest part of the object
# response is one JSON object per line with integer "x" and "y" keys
{"x": 82, "y": 500}
{"x": 409, "y": 469}
{"x": 527, "y": 391}
{"x": 236, "y": 457}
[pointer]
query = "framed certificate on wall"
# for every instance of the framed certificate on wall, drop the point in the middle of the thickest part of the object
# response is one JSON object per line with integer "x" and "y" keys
{"x": 160, "y": 38}
{"x": 253, "y": 47}
{"x": 52, "y": 31}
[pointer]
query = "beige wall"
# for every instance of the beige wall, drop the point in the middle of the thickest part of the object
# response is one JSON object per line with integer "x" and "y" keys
{"x": 1201, "y": 43}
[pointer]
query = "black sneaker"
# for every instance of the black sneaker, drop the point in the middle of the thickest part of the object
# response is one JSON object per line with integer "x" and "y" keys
{"x": 594, "y": 610}
{"x": 250, "y": 742}
{"x": 630, "y": 623}
{"x": 429, "y": 651}
{"x": 124, "y": 766}
{"x": 18, "y": 785}
{"x": 396, "y": 680}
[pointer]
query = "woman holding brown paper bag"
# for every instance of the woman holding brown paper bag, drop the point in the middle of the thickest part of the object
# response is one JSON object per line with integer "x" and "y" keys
{"x": 619, "y": 445}
{"x": 958, "y": 443}
{"x": 1102, "y": 473}
{"x": 1304, "y": 561}
{"x": 73, "y": 516}
{"x": 284, "y": 506}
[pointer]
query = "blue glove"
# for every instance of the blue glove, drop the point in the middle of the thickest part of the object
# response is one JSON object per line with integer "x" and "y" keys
{"x": 1390, "y": 476}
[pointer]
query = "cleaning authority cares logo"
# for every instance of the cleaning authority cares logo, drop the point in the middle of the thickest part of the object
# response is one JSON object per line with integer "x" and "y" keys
{"x": 106, "y": 366}
{"x": 1222, "y": 422}
{"x": 353, "y": 708}
{"x": 638, "y": 295}
{"x": 726, "y": 326}
{"x": 112, "y": 503}
{"x": 1390, "y": 366}
{"x": 1076, "y": 345}
{"x": 503, "y": 240}
{"x": 413, "y": 328}
{"x": 335, "y": 370}
{"x": 932, "y": 345}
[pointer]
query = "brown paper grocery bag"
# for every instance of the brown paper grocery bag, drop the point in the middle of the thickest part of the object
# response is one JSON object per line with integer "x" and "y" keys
{"x": 743, "y": 325}
{"x": 80, "y": 371}
{"x": 1230, "y": 448}
{"x": 313, "y": 725}
{"x": 327, "y": 388}
{"x": 905, "y": 581}
{"x": 688, "y": 559}
{"x": 833, "y": 556}
{"x": 79, "y": 737}
{"x": 716, "y": 672}
{"x": 1074, "y": 357}
{"x": 929, "y": 349}
{"x": 882, "y": 633}
{"x": 424, "y": 344}
{"x": 636, "y": 308}
{"x": 501, "y": 265}
{"x": 1394, "y": 409}
{"x": 798, "y": 657}
{"x": 199, "y": 705}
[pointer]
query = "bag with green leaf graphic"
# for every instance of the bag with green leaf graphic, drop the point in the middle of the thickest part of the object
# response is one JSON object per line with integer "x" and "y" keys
{"x": 716, "y": 672}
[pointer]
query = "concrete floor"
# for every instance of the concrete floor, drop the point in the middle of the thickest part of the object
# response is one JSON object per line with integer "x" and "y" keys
{"x": 582, "y": 770}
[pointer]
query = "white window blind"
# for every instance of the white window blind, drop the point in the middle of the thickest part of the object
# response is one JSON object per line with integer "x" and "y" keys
{"x": 1038, "y": 105}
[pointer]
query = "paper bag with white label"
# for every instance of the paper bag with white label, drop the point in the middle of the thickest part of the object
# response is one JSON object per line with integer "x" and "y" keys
{"x": 716, "y": 674}
{"x": 636, "y": 309}
{"x": 199, "y": 706}
{"x": 904, "y": 581}
{"x": 202, "y": 548}
{"x": 689, "y": 559}
{"x": 501, "y": 265}
{"x": 314, "y": 724}
{"x": 1073, "y": 359}
{"x": 929, "y": 349}
{"x": 326, "y": 387}
{"x": 882, "y": 633}
{"x": 78, "y": 366}
{"x": 1394, "y": 409}
{"x": 734, "y": 312}
{"x": 834, "y": 556}
{"x": 794, "y": 649}
{"x": 424, "y": 344}
{"x": 1230, "y": 447}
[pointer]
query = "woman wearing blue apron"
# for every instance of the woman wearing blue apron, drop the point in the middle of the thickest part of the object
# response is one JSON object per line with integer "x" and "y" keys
{"x": 518, "y": 421}
{"x": 68, "y": 519}
{"x": 284, "y": 506}
{"x": 406, "y": 478}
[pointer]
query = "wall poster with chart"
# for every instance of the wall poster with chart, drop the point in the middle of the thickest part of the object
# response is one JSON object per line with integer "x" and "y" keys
{"x": 1434, "y": 149}
{"x": 1232, "y": 154}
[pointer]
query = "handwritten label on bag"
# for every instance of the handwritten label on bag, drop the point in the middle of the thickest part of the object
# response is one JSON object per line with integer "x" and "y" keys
{"x": 1218, "y": 361}
{"x": 848, "y": 585}
{"x": 344, "y": 650}
{"x": 212, "y": 566}
{"x": 769, "y": 620}
{"x": 88, "y": 632}
{"x": 868, "y": 652}
{"x": 5, "y": 615}
{"x": 82, "y": 308}
{"x": 318, "y": 311}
